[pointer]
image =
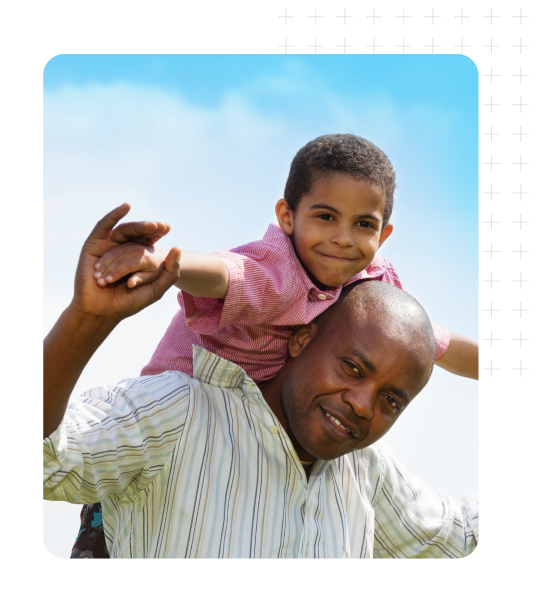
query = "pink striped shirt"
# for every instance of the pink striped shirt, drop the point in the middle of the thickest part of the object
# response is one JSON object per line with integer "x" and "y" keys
{"x": 269, "y": 293}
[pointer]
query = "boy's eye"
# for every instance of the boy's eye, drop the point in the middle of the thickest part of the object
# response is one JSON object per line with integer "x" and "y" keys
{"x": 325, "y": 216}
{"x": 365, "y": 224}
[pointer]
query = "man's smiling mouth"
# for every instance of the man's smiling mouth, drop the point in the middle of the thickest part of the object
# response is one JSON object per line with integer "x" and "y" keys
{"x": 339, "y": 425}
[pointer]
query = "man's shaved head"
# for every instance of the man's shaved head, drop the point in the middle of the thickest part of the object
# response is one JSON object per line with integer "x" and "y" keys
{"x": 352, "y": 371}
{"x": 399, "y": 313}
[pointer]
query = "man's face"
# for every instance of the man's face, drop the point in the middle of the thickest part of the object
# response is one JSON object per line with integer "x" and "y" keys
{"x": 337, "y": 228}
{"x": 349, "y": 384}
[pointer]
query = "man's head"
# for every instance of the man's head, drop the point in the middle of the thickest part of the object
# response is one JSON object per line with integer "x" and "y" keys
{"x": 337, "y": 206}
{"x": 353, "y": 371}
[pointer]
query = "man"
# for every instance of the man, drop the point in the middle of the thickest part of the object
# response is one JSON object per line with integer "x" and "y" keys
{"x": 214, "y": 466}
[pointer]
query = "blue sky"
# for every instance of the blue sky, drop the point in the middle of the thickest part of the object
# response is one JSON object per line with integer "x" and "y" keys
{"x": 204, "y": 142}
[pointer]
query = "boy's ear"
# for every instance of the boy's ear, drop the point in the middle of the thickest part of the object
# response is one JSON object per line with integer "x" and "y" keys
{"x": 285, "y": 216}
{"x": 301, "y": 337}
{"x": 385, "y": 234}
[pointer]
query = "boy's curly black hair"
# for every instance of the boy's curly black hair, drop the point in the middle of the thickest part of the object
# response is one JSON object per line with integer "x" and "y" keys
{"x": 342, "y": 153}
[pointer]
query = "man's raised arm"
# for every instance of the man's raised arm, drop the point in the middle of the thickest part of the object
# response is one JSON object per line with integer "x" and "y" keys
{"x": 94, "y": 312}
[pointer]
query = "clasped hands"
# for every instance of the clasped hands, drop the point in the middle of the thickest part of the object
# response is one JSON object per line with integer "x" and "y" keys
{"x": 117, "y": 298}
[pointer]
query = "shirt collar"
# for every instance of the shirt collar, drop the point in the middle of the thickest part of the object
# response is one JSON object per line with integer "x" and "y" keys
{"x": 210, "y": 368}
{"x": 275, "y": 237}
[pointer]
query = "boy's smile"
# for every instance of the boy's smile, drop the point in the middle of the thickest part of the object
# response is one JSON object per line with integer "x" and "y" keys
{"x": 337, "y": 227}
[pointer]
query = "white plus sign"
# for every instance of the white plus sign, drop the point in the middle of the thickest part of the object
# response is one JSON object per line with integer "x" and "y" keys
{"x": 462, "y": 17}
{"x": 520, "y": 163}
{"x": 520, "y": 222}
{"x": 433, "y": 16}
{"x": 345, "y": 46}
{"x": 520, "y": 192}
{"x": 520, "y": 46}
{"x": 491, "y": 252}
{"x": 492, "y": 134}
{"x": 520, "y": 310}
{"x": 374, "y": 16}
{"x": 520, "y": 75}
{"x": 492, "y": 369}
{"x": 492, "y": 16}
{"x": 521, "y": 16}
{"x": 491, "y": 310}
{"x": 521, "y": 340}
{"x": 520, "y": 368}
{"x": 491, "y": 104}
{"x": 285, "y": 46}
{"x": 520, "y": 134}
{"x": 374, "y": 45}
{"x": 345, "y": 16}
{"x": 403, "y": 16}
{"x": 491, "y": 221}
{"x": 461, "y": 46}
{"x": 491, "y": 340}
{"x": 432, "y": 46}
{"x": 491, "y": 281}
{"x": 491, "y": 45}
{"x": 521, "y": 251}
{"x": 491, "y": 75}
{"x": 490, "y": 163}
{"x": 285, "y": 16}
{"x": 315, "y": 17}
{"x": 403, "y": 46}
{"x": 521, "y": 280}
{"x": 492, "y": 192}
{"x": 315, "y": 45}
{"x": 521, "y": 104}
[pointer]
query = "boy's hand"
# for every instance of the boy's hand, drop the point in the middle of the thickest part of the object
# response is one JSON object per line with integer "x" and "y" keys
{"x": 143, "y": 262}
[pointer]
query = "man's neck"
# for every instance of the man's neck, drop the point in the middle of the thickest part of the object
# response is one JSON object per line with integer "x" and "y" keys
{"x": 271, "y": 392}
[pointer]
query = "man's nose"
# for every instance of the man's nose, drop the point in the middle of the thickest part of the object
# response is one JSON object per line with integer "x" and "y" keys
{"x": 362, "y": 402}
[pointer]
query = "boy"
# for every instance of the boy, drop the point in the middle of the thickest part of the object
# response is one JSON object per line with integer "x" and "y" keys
{"x": 243, "y": 304}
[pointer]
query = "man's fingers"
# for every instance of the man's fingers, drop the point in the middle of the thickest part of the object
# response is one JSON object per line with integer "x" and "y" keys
{"x": 170, "y": 274}
{"x": 150, "y": 231}
{"x": 105, "y": 225}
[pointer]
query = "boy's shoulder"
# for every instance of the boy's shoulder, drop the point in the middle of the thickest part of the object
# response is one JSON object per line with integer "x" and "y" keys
{"x": 274, "y": 243}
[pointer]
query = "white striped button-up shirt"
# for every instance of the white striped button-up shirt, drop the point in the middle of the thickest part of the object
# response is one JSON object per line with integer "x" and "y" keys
{"x": 201, "y": 467}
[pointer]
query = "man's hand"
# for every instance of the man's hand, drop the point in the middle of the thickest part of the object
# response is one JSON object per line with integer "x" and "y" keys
{"x": 95, "y": 311}
{"x": 117, "y": 301}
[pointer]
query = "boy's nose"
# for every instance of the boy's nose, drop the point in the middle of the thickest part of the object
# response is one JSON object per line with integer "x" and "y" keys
{"x": 343, "y": 237}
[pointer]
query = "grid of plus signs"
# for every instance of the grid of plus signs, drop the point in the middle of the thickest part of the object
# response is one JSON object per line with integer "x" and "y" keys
{"x": 498, "y": 40}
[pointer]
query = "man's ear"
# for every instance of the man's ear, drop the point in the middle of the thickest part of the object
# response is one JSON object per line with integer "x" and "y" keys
{"x": 301, "y": 337}
{"x": 385, "y": 234}
{"x": 285, "y": 216}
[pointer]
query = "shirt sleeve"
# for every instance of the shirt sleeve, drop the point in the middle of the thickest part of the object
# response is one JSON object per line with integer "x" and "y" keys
{"x": 262, "y": 290}
{"x": 115, "y": 440}
{"x": 411, "y": 521}
{"x": 383, "y": 270}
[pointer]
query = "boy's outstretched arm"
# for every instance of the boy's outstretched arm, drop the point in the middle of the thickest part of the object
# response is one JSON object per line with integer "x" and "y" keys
{"x": 461, "y": 357}
{"x": 201, "y": 274}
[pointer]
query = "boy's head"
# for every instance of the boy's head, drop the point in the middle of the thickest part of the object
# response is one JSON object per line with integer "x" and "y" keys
{"x": 337, "y": 205}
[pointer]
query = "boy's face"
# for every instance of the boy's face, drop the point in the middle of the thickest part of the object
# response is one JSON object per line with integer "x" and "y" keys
{"x": 337, "y": 227}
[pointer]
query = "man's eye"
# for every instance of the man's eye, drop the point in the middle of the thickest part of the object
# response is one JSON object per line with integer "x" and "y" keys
{"x": 353, "y": 367}
{"x": 392, "y": 402}
{"x": 325, "y": 216}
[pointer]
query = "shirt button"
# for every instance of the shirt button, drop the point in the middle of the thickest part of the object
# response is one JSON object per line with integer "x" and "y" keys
{"x": 274, "y": 429}
{"x": 250, "y": 385}
{"x": 321, "y": 296}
